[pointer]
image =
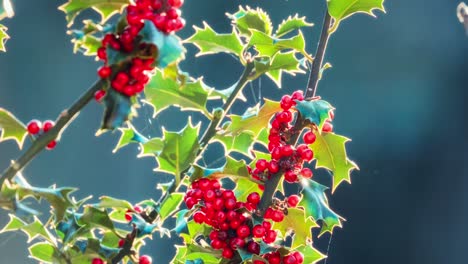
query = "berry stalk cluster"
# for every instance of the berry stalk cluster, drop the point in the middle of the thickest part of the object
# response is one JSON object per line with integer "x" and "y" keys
{"x": 165, "y": 15}
{"x": 36, "y": 127}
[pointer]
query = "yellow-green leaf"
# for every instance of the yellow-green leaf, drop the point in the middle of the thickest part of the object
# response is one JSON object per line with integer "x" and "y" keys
{"x": 291, "y": 24}
{"x": 296, "y": 221}
{"x": 11, "y": 127}
{"x": 210, "y": 42}
{"x": 341, "y": 9}
{"x": 330, "y": 153}
{"x": 105, "y": 8}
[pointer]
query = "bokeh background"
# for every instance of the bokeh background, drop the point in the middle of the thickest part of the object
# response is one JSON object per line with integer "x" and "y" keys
{"x": 399, "y": 83}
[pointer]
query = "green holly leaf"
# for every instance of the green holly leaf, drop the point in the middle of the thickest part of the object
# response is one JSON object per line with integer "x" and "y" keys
{"x": 152, "y": 147}
{"x": 315, "y": 205}
{"x": 170, "y": 205}
{"x": 11, "y": 127}
{"x": 94, "y": 217}
{"x": 32, "y": 230}
{"x": 280, "y": 63}
{"x": 247, "y": 19}
{"x": 291, "y": 24}
{"x": 58, "y": 198}
{"x": 241, "y": 143}
{"x": 163, "y": 91}
{"x": 84, "y": 40}
{"x": 210, "y": 42}
{"x": 269, "y": 46}
{"x": 315, "y": 111}
{"x": 311, "y": 255}
{"x": 127, "y": 136}
{"x": 105, "y": 8}
{"x": 179, "y": 151}
{"x": 255, "y": 119}
{"x": 342, "y": 9}
{"x": 295, "y": 221}
{"x": 44, "y": 252}
{"x": 244, "y": 187}
{"x": 3, "y": 37}
{"x": 231, "y": 169}
{"x": 107, "y": 202}
{"x": 330, "y": 153}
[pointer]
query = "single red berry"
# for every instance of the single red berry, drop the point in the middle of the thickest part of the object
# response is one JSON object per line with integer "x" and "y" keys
{"x": 327, "y": 127}
{"x": 309, "y": 137}
{"x": 215, "y": 184}
{"x": 270, "y": 236}
{"x": 274, "y": 259}
{"x": 258, "y": 231}
{"x": 199, "y": 217}
{"x": 253, "y": 247}
{"x": 213, "y": 234}
{"x": 258, "y": 262}
{"x": 104, "y": 72}
{"x": 219, "y": 204}
{"x": 227, "y": 194}
{"x": 138, "y": 209}
{"x": 266, "y": 225}
{"x": 190, "y": 202}
{"x": 34, "y": 127}
{"x": 307, "y": 155}
{"x": 234, "y": 224}
{"x": 173, "y": 13}
{"x": 277, "y": 216}
{"x": 243, "y": 231}
{"x": 268, "y": 213}
{"x": 145, "y": 259}
{"x": 230, "y": 204}
{"x": 286, "y": 102}
{"x": 290, "y": 176}
{"x": 209, "y": 195}
{"x": 98, "y": 95}
{"x": 121, "y": 242}
{"x": 273, "y": 166}
{"x": 293, "y": 200}
{"x": 289, "y": 259}
{"x": 128, "y": 216}
{"x": 237, "y": 243}
{"x": 261, "y": 164}
{"x": 287, "y": 151}
{"x": 216, "y": 244}
{"x": 101, "y": 53}
{"x": 227, "y": 253}
{"x": 97, "y": 261}
{"x": 51, "y": 145}
{"x": 306, "y": 173}
{"x": 204, "y": 184}
{"x": 253, "y": 198}
{"x": 276, "y": 153}
{"x": 175, "y": 3}
{"x": 299, "y": 257}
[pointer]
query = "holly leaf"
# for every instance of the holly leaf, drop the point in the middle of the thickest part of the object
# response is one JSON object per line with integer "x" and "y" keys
{"x": 276, "y": 66}
{"x": 247, "y": 19}
{"x": 254, "y": 119}
{"x": 244, "y": 187}
{"x": 118, "y": 110}
{"x": 127, "y": 136}
{"x": 32, "y": 230}
{"x": 269, "y": 46}
{"x": 231, "y": 169}
{"x": 84, "y": 40}
{"x": 152, "y": 147}
{"x": 12, "y": 128}
{"x": 291, "y": 24}
{"x": 295, "y": 221}
{"x": 163, "y": 91}
{"x": 311, "y": 255}
{"x": 241, "y": 143}
{"x": 315, "y": 205}
{"x": 209, "y": 42}
{"x": 107, "y": 202}
{"x": 330, "y": 153}
{"x": 179, "y": 151}
{"x": 169, "y": 46}
{"x": 94, "y": 217}
{"x": 3, "y": 37}
{"x": 342, "y": 9}
{"x": 315, "y": 111}
{"x": 105, "y": 8}
{"x": 170, "y": 205}
{"x": 44, "y": 252}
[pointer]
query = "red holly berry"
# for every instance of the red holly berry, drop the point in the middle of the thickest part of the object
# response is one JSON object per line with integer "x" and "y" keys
{"x": 51, "y": 145}
{"x": 299, "y": 257}
{"x": 121, "y": 242}
{"x": 293, "y": 200}
{"x": 34, "y": 127}
{"x": 104, "y": 72}
{"x": 227, "y": 253}
{"x": 253, "y": 247}
{"x": 306, "y": 173}
{"x": 175, "y": 3}
{"x": 98, "y": 95}
{"x": 145, "y": 259}
{"x": 47, "y": 125}
{"x": 261, "y": 164}
{"x": 309, "y": 137}
{"x": 277, "y": 216}
{"x": 243, "y": 231}
{"x": 290, "y": 176}
{"x": 253, "y": 198}
{"x": 327, "y": 127}
{"x": 258, "y": 231}
{"x": 199, "y": 217}
{"x": 97, "y": 261}
{"x": 289, "y": 259}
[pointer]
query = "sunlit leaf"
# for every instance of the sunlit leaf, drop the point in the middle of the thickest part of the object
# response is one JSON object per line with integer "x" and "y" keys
{"x": 244, "y": 187}
{"x": 330, "y": 153}
{"x": 248, "y": 18}
{"x": 315, "y": 111}
{"x": 170, "y": 205}
{"x": 3, "y": 37}
{"x": 311, "y": 255}
{"x": 269, "y": 46}
{"x": 11, "y": 127}
{"x": 341, "y": 9}
{"x": 291, "y": 24}
{"x": 44, "y": 252}
{"x": 127, "y": 136}
{"x": 210, "y": 42}
{"x": 295, "y": 221}
{"x": 105, "y": 8}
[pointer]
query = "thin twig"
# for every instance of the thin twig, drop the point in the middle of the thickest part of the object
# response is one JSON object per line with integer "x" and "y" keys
{"x": 41, "y": 142}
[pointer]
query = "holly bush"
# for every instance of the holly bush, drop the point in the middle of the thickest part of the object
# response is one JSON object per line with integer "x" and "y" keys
{"x": 259, "y": 204}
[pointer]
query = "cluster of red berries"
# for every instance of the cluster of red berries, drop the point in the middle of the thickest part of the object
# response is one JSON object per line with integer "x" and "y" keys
{"x": 231, "y": 219}
{"x": 275, "y": 258}
{"x": 128, "y": 215}
{"x": 35, "y": 127}
{"x": 165, "y": 15}
{"x": 145, "y": 259}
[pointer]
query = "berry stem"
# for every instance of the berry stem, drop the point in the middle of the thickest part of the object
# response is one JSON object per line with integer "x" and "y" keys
{"x": 272, "y": 184}
{"x": 42, "y": 141}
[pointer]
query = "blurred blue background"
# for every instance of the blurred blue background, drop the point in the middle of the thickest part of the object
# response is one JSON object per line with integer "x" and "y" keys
{"x": 399, "y": 84}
